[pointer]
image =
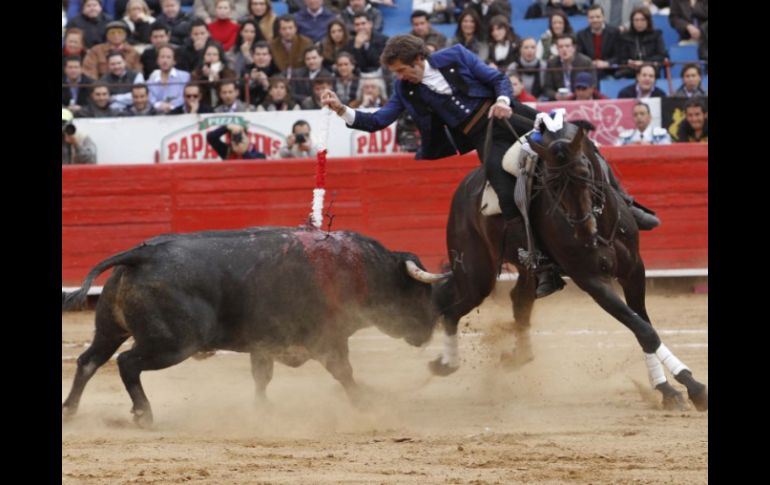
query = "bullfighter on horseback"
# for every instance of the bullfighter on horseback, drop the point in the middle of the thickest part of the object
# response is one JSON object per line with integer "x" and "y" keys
{"x": 452, "y": 95}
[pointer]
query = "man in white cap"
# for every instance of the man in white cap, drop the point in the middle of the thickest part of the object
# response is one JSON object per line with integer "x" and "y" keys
{"x": 95, "y": 64}
{"x": 76, "y": 146}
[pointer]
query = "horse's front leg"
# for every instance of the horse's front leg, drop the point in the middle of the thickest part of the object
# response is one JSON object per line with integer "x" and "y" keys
{"x": 523, "y": 300}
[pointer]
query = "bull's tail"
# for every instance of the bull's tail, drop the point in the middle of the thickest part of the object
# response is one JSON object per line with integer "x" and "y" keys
{"x": 76, "y": 300}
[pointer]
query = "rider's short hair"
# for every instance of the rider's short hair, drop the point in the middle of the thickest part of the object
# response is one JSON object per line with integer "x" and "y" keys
{"x": 404, "y": 48}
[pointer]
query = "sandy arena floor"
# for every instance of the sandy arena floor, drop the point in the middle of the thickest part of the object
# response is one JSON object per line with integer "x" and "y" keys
{"x": 581, "y": 412}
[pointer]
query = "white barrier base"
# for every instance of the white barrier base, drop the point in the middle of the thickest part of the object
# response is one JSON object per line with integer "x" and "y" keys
{"x": 650, "y": 273}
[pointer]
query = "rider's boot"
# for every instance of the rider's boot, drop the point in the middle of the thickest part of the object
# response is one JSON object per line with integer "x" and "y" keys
{"x": 547, "y": 273}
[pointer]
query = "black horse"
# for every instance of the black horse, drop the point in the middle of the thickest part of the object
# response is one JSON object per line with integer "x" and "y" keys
{"x": 586, "y": 228}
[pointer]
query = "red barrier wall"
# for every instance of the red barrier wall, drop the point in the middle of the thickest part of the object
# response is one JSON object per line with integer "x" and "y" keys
{"x": 400, "y": 201}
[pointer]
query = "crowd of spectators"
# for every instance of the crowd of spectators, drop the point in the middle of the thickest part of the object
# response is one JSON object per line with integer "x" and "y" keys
{"x": 168, "y": 57}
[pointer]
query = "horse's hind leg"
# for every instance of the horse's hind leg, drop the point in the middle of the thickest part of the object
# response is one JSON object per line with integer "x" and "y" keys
{"x": 107, "y": 338}
{"x": 523, "y": 299}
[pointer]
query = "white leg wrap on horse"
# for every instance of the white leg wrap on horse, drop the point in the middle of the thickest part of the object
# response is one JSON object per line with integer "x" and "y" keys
{"x": 451, "y": 355}
{"x": 674, "y": 365}
{"x": 654, "y": 369}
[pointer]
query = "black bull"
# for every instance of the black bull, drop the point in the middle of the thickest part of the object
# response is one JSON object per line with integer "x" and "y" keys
{"x": 286, "y": 294}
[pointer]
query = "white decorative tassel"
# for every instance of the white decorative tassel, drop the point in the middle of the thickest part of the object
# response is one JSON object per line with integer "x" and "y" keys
{"x": 554, "y": 123}
{"x": 318, "y": 205}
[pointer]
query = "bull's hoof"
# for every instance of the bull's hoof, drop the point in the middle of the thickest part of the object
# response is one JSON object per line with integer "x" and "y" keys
{"x": 439, "y": 369}
{"x": 674, "y": 402}
{"x": 515, "y": 359}
{"x": 700, "y": 398}
{"x": 143, "y": 418}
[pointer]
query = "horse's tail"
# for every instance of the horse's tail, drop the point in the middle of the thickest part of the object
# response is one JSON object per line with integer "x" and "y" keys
{"x": 76, "y": 299}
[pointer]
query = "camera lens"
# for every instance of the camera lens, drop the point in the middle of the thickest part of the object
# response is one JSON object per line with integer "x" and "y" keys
{"x": 237, "y": 137}
{"x": 300, "y": 138}
{"x": 69, "y": 129}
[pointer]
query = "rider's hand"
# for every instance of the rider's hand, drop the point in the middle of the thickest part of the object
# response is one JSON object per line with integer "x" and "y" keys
{"x": 500, "y": 110}
{"x": 330, "y": 99}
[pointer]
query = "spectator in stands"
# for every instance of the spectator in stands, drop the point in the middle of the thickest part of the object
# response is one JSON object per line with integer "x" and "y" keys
{"x": 503, "y": 43}
{"x": 585, "y": 88}
{"x": 299, "y": 144}
{"x": 191, "y": 53}
{"x": 288, "y": 48}
{"x": 616, "y": 12}
{"x": 545, "y": 8}
{"x": 73, "y": 45}
{"x": 140, "y": 102}
{"x": 301, "y": 79}
{"x": 520, "y": 94}
{"x": 691, "y": 82}
{"x": 92, "y": 21}
{"x": 159, "y": 35}
{"x": 261, "y": 11}
{"x": 703, "y": 46}
{"x": 212, "y": 70}
{"x": 320, "y": 84}
{"x": 695, "y": 127}
{"x": 558, "y": 24}
{"x": 76, "y": 146}
{"x": 641, "y": 44}
{"x": 74, "y": 7}
{"x": 238, "y": 146}
{"x": 644, "y": 87}
{"x": 486, "y": 9}
{"x": 439, "y": 11}
{"x": 228, "y": 94}
{"x": 207, "y": 9}
{"x": 76, "y": 93}
{"x": 178, "y": 22}
{"x": 470, "y": 35}
{"x": 335, "y": 41}
{"x": 119, "y": 80}
{"x": 563, "y": 70}
{"x": 167, "y": 82}
{"x": 241, "y": 55}
{"x": 278, "y": 97}
{"x": 530, "y": 67}
{"x": 139, "y": 22}
{"x": 371, "y": 95}
{"x": 345, "y": 80}
{"x": 260, "y": 72}
{"x": 192, "y": 102}
{"x": 367, "y": 45}
{"x": 95, "y": 62}
{"x": 313, "y": 20}
{"x": 361, "y": 6}
{"x": 643, "y": 133}
{"x": 223, "y": 29}
{"x": 599, "y": 41}
{"x": 421, "y": 28}
{"x": 99, "y": 104}
{"x": 687, "y": 17}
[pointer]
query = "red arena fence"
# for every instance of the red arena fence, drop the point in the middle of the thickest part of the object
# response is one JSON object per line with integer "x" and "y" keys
{"x": 400, "y": 201}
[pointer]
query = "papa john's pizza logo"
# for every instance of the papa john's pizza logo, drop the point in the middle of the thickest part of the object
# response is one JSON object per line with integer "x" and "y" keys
{"x": 188, "y": 144}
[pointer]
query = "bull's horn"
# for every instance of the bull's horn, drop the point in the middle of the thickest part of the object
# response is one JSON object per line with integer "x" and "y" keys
{"x": 421, "y": 275}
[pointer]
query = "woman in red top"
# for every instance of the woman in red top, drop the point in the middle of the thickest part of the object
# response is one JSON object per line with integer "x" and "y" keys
{"x": 223, "y": 29}
{"x": 520, "y": 94}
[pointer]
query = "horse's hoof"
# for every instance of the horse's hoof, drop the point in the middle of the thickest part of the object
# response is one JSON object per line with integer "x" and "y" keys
{"x": 143, "y": 418}
{"x": 515, "y": 359}
{"x": 439, "y": 369}
{"x": 674, "y": 402}
{"x": 700, "y": 399}
{"x": 67, "y": 411}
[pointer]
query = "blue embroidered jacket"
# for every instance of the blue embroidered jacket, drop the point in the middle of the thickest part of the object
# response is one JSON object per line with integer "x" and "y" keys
{"x": 471, "y": 81}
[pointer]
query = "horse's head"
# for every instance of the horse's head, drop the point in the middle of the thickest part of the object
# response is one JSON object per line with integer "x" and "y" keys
{"x": 569, "y": 178}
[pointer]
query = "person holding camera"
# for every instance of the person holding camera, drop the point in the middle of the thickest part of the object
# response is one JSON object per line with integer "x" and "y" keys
{"x": 299, "y": 144}
{"x": 76, "y": 146}
{"x": 238, "y": 147}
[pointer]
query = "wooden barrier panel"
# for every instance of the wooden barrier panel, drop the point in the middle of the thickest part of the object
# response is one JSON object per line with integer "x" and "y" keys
{"x": 402, "y": 202}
